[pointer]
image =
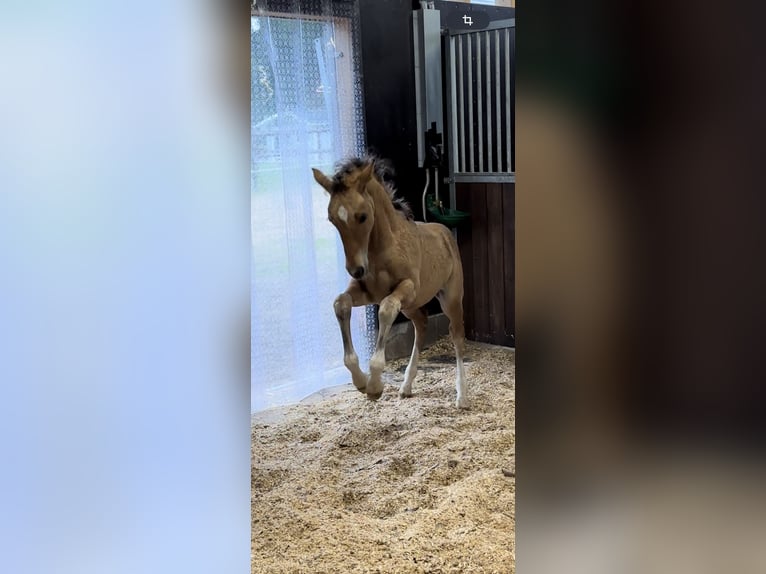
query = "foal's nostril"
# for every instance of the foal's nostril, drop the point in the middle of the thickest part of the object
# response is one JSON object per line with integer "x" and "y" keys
{"x": 358, "y": 273}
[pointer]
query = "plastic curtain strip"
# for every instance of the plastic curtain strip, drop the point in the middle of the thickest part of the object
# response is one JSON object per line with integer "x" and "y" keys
{"x": 304, "y": 71}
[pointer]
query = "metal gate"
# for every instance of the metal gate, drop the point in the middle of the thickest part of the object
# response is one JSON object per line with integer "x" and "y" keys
{"x": 480, "y": 95}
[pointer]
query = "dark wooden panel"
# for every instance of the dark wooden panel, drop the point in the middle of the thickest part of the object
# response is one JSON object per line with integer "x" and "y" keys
{"x": 390, "y": 116}
{"x": 480, "y": 277}
{"x": 509, "y": 261}
{"x": 465, "y": 242}
{"x": 487, "y": 250}
{"x": 495, "y": 260}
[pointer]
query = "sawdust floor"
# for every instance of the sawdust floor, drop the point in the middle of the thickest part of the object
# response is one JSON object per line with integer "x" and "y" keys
{"x": 342, "y": 484}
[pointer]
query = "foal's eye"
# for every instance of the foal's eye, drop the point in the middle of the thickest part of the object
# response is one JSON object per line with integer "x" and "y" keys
{"x": 363, "y": 218}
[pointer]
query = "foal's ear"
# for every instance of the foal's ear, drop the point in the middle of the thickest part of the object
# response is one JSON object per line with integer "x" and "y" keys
{"x": 366, "y": 173}
{"x": 322, "y": 179}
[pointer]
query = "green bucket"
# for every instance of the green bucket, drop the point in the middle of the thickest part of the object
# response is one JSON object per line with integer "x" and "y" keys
{"x": 445, "y": 216}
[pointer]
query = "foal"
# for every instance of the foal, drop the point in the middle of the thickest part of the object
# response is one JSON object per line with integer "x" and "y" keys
{"x": 395, "y": 262}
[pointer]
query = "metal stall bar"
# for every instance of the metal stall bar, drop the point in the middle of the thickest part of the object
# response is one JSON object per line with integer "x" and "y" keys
{"x": 479, "y": 98}
{"x": 488, "y": 53}
{"x": 469, "y": 58}
{"x": 452, "y": 120}
{"x": 461, "y": 103}
{"x": 508, "y": 148}
{"x": 498, "y": 109}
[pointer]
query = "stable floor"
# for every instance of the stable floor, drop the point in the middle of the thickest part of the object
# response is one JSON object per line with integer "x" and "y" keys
{"x": 344, "y": 484}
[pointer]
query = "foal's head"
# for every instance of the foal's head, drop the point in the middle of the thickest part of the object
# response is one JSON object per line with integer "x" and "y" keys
{"x": 352, "y": 212}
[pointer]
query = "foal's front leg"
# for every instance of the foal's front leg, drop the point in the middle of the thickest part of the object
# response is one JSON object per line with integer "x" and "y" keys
{"x": 352, "y": 297}
{"x": 403, "y": 295}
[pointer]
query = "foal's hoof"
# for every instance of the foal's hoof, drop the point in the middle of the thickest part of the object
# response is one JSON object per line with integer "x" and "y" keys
{"x": 462, "y": 403}
{"x": 374, "y": 396}
{"x": 360, "y": 383}
{"x": 405, "y": 394}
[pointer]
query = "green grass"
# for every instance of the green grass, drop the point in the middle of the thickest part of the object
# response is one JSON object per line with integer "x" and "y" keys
{"x": 268, "y": 237}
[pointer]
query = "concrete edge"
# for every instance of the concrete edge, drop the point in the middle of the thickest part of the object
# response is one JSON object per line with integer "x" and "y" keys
{"x": 401, "y": 338}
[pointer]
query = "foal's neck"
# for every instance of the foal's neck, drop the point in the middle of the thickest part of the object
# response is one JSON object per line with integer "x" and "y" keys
{"x": 386, "y": 221}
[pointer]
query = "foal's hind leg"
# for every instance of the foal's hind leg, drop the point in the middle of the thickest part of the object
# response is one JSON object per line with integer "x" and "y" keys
{"x": 452, "y": 305}
{"x": 352, "y": 297}
{"x": 419, "y": 319}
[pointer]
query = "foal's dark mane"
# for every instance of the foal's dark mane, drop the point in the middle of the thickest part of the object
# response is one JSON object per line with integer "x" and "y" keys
{"x": 383, "y": 171}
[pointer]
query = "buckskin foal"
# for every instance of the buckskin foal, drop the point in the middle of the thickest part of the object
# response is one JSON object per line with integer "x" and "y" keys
{"x": 395, "y": 262}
